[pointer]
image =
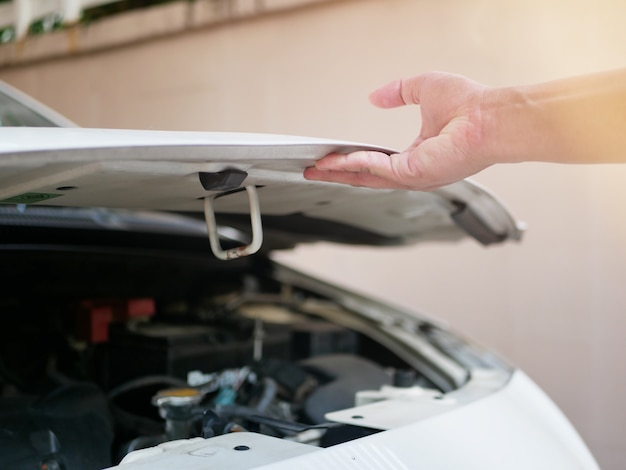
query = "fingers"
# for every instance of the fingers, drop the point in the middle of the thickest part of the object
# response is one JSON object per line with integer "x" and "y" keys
{"x": 371, "y": 161}
{"x": 357, "y": 169}
{"x": 364, "y": 168}
{"x": 428, "y": 165}
{"x": 361, "y": 179}
{"x": 397, "y": 93}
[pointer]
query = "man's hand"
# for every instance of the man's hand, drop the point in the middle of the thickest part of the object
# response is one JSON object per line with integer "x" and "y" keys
{"x": 448, "y": 148}
{"x": 467, "y": 127}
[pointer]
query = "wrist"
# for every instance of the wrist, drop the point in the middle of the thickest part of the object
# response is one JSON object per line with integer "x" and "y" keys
{"x": 510, "y": 119}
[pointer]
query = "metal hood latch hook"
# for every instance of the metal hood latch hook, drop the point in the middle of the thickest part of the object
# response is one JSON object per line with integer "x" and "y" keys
{"x": 255, "y": 220}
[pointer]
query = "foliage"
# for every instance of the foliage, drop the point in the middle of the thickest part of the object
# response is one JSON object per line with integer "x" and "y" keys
{"x": 55, "y": 22}
{"x": 117, "y": 7}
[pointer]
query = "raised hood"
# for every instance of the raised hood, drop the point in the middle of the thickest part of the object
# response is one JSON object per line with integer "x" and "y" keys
{"x": 176, "y": 171}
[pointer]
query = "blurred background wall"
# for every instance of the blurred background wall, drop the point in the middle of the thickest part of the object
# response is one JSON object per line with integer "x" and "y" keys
{"x": 555, "y": 304}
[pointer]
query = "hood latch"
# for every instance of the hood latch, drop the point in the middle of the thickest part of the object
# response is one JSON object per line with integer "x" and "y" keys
{"x": 255, "y": 221}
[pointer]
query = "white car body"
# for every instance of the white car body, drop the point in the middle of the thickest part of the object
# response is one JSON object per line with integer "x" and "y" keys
{"x": 469, "y": 409}
{"x": 516, "y": 428}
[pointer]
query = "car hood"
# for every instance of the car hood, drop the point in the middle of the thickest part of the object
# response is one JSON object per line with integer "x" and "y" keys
{"x": 176, "y": 171}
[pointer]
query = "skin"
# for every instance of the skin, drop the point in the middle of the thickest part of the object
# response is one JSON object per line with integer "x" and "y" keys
{"x": 467, "y": 127}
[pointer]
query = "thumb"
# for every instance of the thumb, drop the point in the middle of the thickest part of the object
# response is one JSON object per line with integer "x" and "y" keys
{"x": 397, "y": 93}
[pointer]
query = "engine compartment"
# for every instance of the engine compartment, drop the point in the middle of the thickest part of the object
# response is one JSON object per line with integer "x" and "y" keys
{"x": 103, "y": 352}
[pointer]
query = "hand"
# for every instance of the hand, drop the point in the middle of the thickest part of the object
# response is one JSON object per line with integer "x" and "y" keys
{"x": 447, "y": 149}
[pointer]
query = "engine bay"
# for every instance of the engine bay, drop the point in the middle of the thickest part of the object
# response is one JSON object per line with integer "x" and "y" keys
{"x": 105, "y": 353}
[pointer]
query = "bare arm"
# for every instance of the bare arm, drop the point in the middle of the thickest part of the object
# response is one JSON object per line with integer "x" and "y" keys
{"x": 467, "y": 127}
{"x": 577, "y": 120}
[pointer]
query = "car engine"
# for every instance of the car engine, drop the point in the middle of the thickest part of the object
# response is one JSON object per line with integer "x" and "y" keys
{"x": 102, "y": 354}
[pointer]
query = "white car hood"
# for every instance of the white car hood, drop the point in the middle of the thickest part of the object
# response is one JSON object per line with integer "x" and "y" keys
{"x": 175, "y": 171}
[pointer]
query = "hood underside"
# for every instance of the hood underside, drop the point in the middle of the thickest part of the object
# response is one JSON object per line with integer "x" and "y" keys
{"x": 176, "y": 171}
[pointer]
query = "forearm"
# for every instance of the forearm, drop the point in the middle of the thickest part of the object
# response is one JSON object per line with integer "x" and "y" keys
{"x": 579, "y": 120}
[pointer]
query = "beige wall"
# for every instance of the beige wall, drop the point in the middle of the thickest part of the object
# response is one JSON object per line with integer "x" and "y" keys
{"x": 554, "y": 304}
